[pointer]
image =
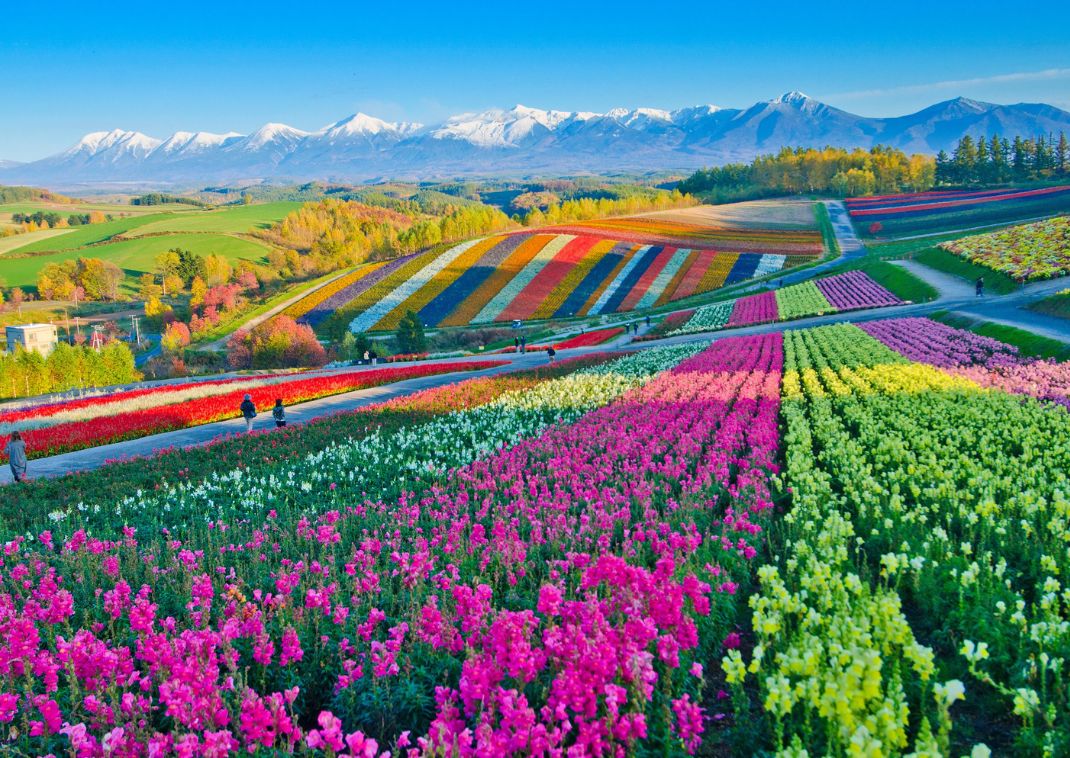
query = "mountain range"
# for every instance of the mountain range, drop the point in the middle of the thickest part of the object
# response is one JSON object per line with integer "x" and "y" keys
{"x": 520, "y": 141}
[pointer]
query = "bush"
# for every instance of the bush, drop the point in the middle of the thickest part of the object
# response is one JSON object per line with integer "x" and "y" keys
{"x": 278, "y": 343}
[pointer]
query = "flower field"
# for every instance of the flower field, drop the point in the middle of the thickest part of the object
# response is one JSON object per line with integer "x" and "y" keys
{"x": 839, "y": 540}
{"x": 948, "y": 210}
{"x": 853, "y": 290}
{"x": 80, "y": 424}
{"x": 605, "y": 267}
{"x": 1028, "y": 252}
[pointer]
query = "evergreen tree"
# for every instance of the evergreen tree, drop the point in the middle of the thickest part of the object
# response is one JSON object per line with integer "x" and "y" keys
{"x": 410, "y": 334}
{"x": 1062, "y": 155}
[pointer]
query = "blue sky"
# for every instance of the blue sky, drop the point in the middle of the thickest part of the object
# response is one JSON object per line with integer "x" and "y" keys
{"x": 220, "y": 67}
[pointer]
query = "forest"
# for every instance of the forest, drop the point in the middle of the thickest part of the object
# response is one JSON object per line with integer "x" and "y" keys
{"x": 997, "y": 160}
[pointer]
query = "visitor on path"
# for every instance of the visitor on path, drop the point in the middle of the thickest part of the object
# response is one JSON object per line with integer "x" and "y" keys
{"x": 375, "y": 358}
{"x": 279, "y": 414}
{"x": 648, "y": 320}
{"x": 635, "y": 328}
{"x": 248, "y": 412}
{"x": 551, "y": 353}
{"x": 16, "y": 456}
{"x": 516, "y": 344}
{"x": 980, "y": 286}
{"x": 524, "y": 344}
{"x": 367, "y": 357}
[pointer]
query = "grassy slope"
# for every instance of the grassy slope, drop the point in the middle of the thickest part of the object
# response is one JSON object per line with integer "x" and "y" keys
{"x": 1057, "y": 305}
{"x": 91, "y": 234}
{"x": 941, "y": 260}
{"x": 1029, "y": 344}
{"x": 134, "y": 256}
{"x": 234, "y": 219}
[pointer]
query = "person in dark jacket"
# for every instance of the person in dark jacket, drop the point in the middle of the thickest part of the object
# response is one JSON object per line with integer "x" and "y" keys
{"x": 551, "y": 353}
{"x": 648, "y": 320}
{"x": 516, "y": 344}
{"x": 375, "y": 357}
{"x": 524, "y": 344}
{"x": 248, "y": 412}
{"x": 980, "y": 286}
{"x": 16, "y": 456}
{"x": 279, "y": 414}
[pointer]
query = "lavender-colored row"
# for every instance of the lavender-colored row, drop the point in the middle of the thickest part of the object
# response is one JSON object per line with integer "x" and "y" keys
{"x": 353, "y": 291}
{"x": 926, "y": 341}
{"x": 854, "y": 290}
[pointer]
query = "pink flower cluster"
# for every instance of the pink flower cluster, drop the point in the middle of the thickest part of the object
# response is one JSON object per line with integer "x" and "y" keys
{"x": 754, "y": 309}
{"x": 853, "y": 290}
{"x": 560, "y": 595}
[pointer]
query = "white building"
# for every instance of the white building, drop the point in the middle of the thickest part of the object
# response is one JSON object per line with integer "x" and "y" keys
{"x": 39, "y": 337}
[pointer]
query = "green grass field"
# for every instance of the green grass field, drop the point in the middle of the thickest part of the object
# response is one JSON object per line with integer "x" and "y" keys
{"x": 134, "y": 256}
{"x": 16, "y": 241}
{"x": 952, "y": 264}
{"x": 92, "y": 234}
{"x": 1057, "y": 305}
{"x": 236, "y": 219}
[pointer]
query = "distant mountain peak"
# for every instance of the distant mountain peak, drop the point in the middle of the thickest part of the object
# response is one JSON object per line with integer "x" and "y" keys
{"x": 520, "y": 141}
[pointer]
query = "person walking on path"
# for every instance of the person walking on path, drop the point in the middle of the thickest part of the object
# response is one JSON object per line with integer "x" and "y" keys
{"x": 367, "y": 357}
{"x": 375, "y": 358}
{"x": 279, "y": 414}
{"x": 16, "y": 456}
{"x": 248, "y": 412}
{"x": 980, "y": 286}
{"x": 524, "y": 344}
{"x": 551, "y": 353}
{"x": 648, "y": 320}
{"x": 516, "y": 344}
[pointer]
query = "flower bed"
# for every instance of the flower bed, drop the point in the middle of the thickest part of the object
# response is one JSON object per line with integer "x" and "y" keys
{"x": 1028, "y": 252}
{"x": 66, "y": 437}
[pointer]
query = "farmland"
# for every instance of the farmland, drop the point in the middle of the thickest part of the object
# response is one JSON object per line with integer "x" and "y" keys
{"x": 924, "y": 447}
{"x": 944, "y": 211}
{"x": 584, "y": 269}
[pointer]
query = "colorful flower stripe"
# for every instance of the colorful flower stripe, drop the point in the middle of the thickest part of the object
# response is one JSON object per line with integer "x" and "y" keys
{"x": 597, "y": 276}
{"x": 589, "y": 339}
{"x": 853, "y": 290}
{"x": 643, "y": 230}
{"x": 609, "y": 270}
{"x": 538, "y": 290}
{"x": 646, "y": 278}
{"x": 927, "y": 341}
{"x": 665, "y": 277}
{"x": 465, "y": 286}
{"x": 132, "y": 425}
{"x": 627, "y": 279}
{"x": 707, "y": 318}
{"x": 952, "y": 500}
{"x": 673, "y": 286}
{"x": 124, "y": 402}
{"x": 940, "y": 206}
{"x": 754, "y": 309}
{"x": 801, "y": 300}
{"x": 437, "y": 283}
{"x": 525, "y": 251}
{"x": 432, "y": 265}
{"x": 770, "y": 264}
{"x": 708, "y": 273}
{"x": 493, "y": 310}
{"x": 1028, "y": 252}
{"x": 746, "y": 265}
{"x": 572, "y": 280}
{"x": 616, "y": 280}
{"x": 314, "y": 298}
{"x": 356, "y": 296}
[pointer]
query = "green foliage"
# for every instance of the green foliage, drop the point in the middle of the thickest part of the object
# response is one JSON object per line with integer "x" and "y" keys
{"x": 28, "y": 373}
{"x": 997, "y": 160}
{"x": 410, "y": 334}
{"x": 1057, "y": 305}
{"x": 806, "y": 170}
{"x": 160, "y": 198}
{"x": 949, "y": 263}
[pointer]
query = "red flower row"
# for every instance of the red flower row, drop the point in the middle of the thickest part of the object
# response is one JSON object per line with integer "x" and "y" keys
{"x": 141, "y": 423}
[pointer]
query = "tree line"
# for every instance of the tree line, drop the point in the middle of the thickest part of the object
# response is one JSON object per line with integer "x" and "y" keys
{"x": 997, "y": 160}
{"x": 586, "y": 208}
{"x": 26, "y": 372}
{"x": 829, "y": 170}
{"x": 52, "y": 220}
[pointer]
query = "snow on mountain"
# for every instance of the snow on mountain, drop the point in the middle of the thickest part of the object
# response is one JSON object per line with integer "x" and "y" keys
{"x": 522, "y": 140}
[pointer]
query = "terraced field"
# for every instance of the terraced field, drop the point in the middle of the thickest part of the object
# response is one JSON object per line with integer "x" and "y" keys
{"x": 585, "y": 269}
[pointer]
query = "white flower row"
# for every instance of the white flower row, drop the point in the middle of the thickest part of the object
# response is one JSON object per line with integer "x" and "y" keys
{"x": 770, "y": 264}
{"x": 708, "y": 318}
{"x": 661, "y": 281}
{"x": 615, "y": 285}
{"x": 523, "y": 278}
{"x": 454, "y": 439}
{"x": 408, "y": 288}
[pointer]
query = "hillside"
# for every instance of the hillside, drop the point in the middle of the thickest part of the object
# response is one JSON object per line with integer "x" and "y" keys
{"x": 584, "y": 269}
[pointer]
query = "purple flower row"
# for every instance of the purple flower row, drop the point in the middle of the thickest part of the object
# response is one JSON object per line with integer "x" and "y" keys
{"x": 754, "y": 309}
{"x": 926, "y": 341}
{"x": 854, "y": 290}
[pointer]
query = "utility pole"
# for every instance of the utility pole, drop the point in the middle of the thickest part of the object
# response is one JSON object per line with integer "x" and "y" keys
{"x": 137, "y": 331}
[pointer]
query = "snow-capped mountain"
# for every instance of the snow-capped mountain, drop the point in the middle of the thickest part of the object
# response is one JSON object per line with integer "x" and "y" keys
{"x": 520, "y": 141}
